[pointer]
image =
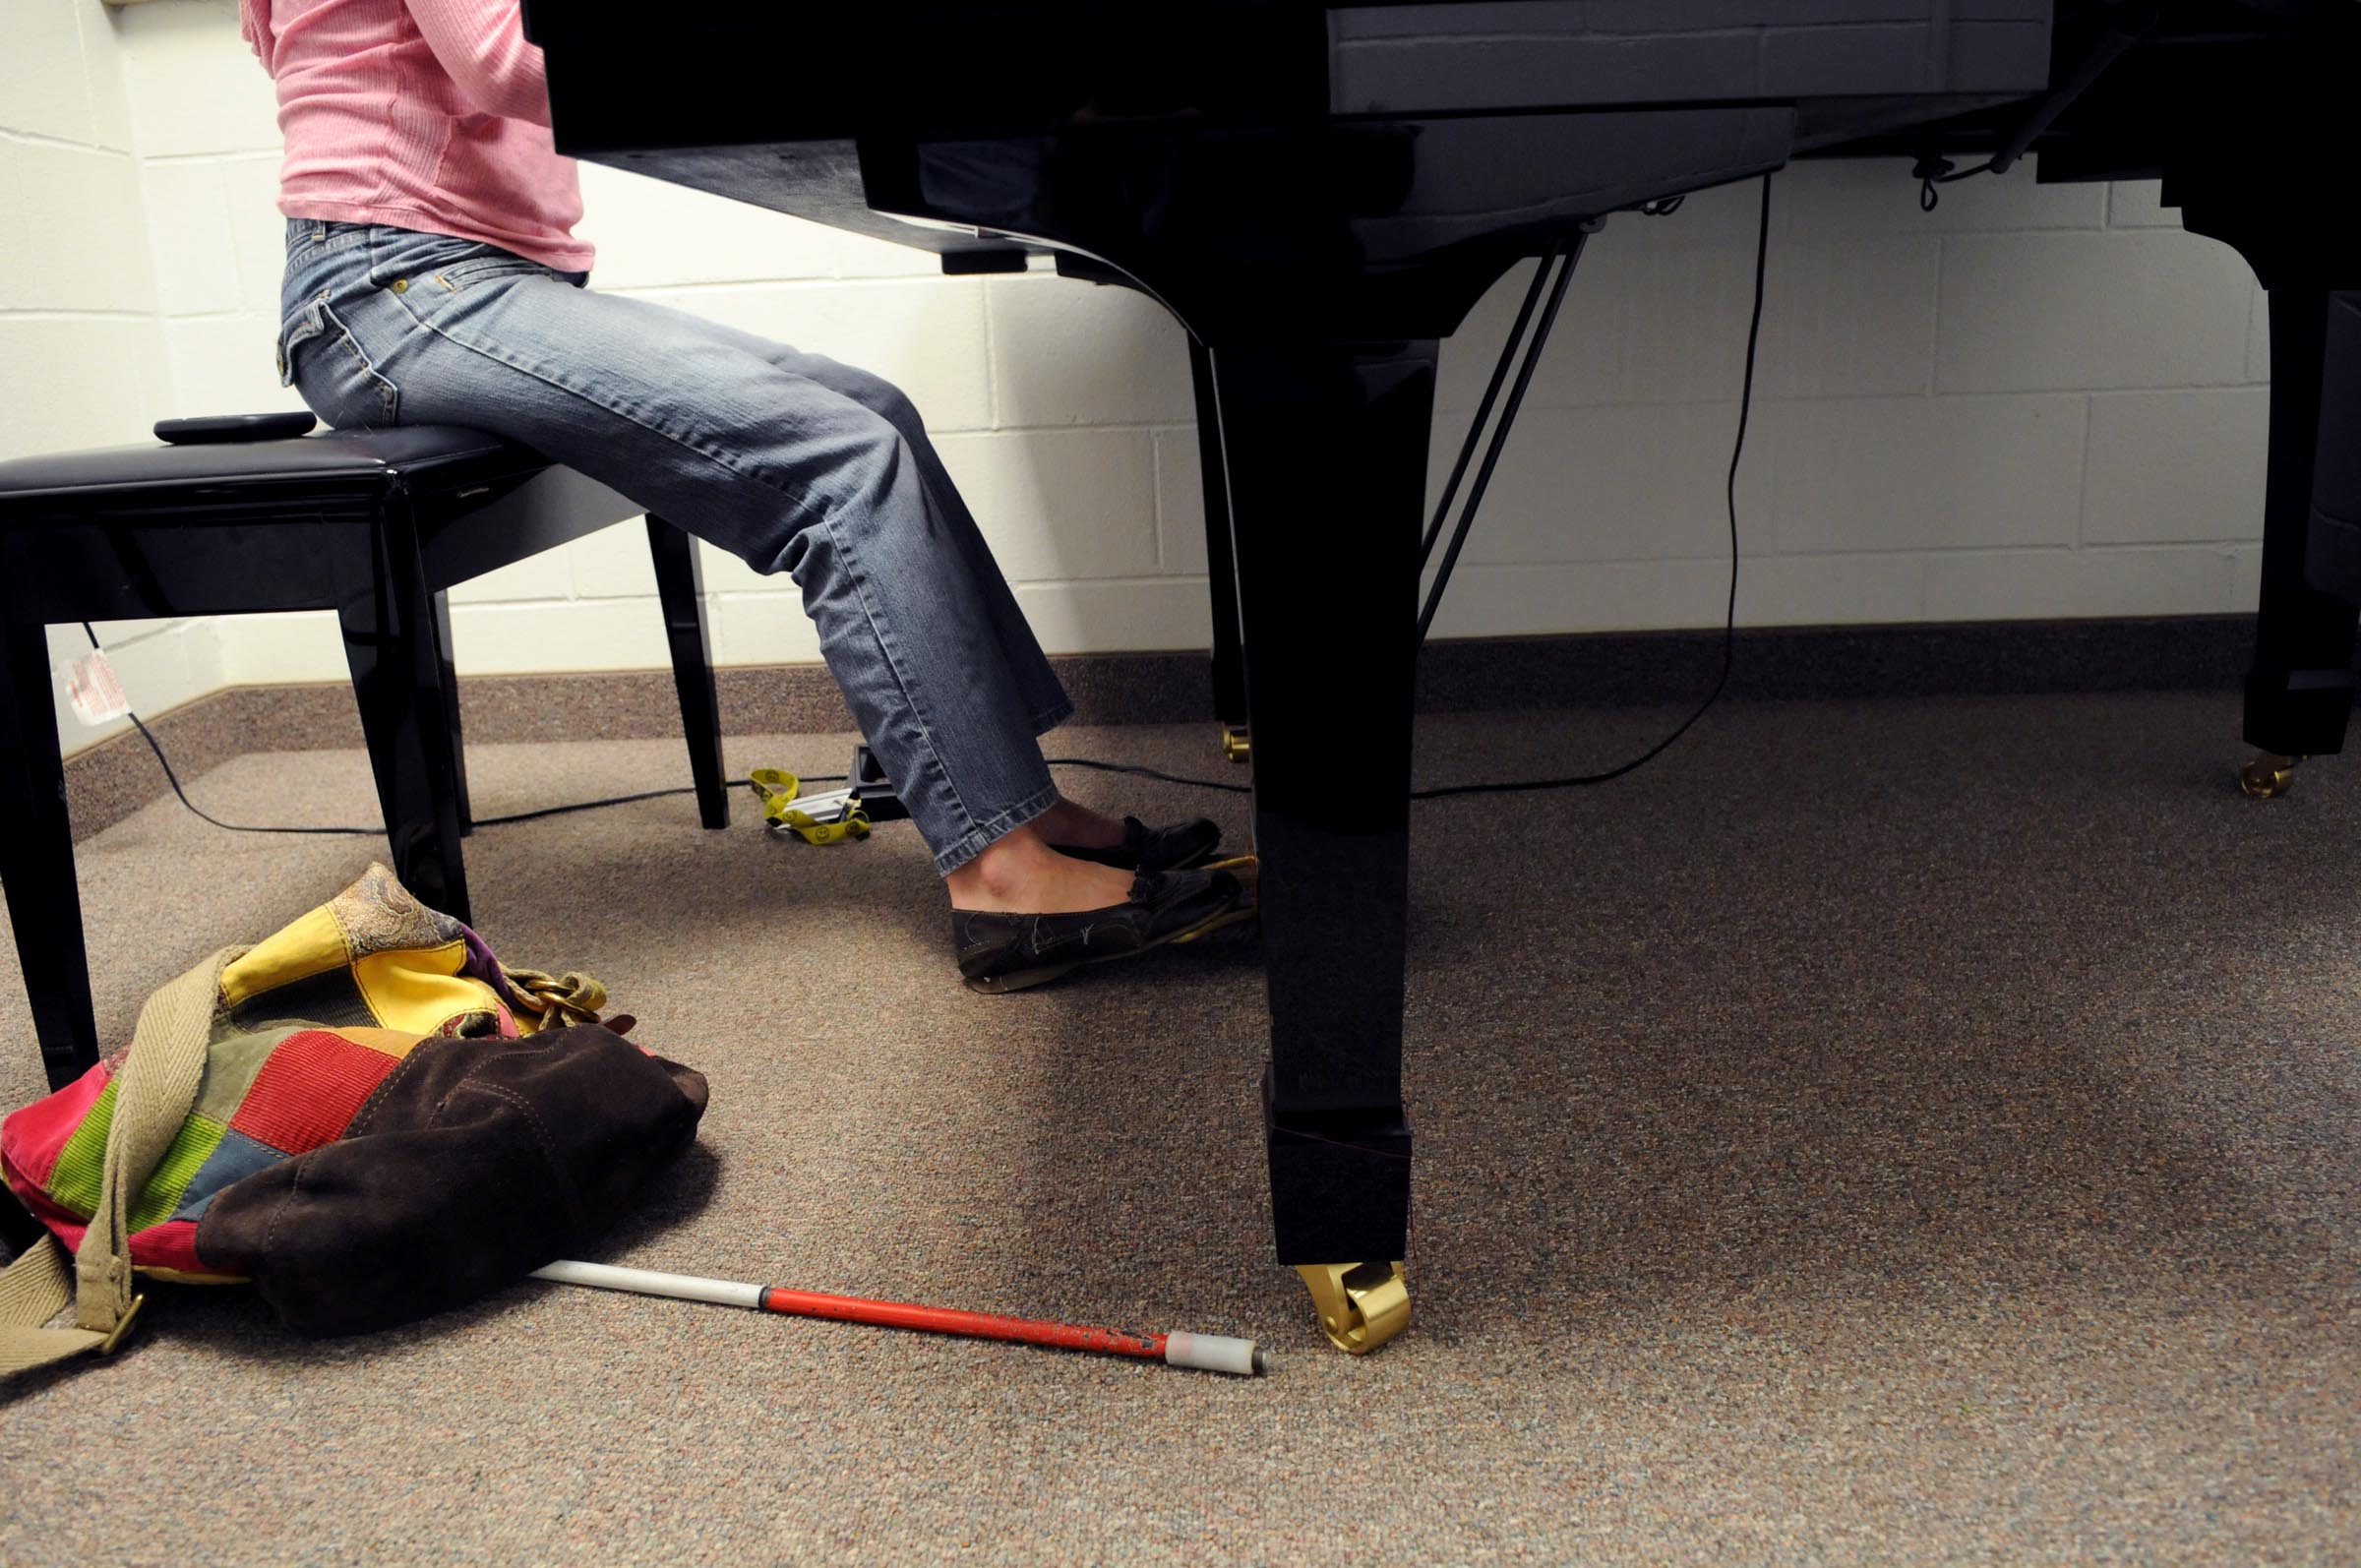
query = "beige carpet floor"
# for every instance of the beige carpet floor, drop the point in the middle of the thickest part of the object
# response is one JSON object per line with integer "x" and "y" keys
{"x": 1877, "y": 1131}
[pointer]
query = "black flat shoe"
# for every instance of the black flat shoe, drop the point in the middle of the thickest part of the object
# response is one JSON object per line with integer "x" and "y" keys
{"x": 1009, "y": 952}
{"x": 1154, "y": 849}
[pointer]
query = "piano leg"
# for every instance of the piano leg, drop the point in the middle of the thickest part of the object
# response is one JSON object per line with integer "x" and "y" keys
{"x": 1326, "y": 450}
{"x": 1229, "y": 672}
{"x": 2299, "y": 693}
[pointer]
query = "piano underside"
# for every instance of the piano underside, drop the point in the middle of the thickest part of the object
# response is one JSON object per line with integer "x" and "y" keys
{"x": 1863, "y": 78}
{"x": 1322, "y": 193}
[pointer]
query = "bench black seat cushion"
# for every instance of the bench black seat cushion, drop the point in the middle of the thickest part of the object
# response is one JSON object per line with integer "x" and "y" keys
{"x": 362, "y": 457}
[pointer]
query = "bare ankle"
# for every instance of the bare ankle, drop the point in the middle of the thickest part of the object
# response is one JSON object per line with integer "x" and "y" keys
{"x": 999, "y": 870}
{"x": 1020, "y": 873}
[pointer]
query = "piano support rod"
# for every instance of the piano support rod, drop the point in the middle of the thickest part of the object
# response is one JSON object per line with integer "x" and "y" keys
{"x": 1508, "y": 417}
{"x": 1483, "y": 410}
{"x": 2119, "y": 36}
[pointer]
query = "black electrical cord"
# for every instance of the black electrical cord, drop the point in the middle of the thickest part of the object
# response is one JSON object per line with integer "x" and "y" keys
{"x": 1754, "y": 329}
{"x": 1730, "y": 618}
{"x": 1149, "y": 772}
{"x": 173, "y": 778}
{"x": 165, "y": 764}
{"x": 626, "y": 800}
{"x": 1935, "y": 170}
{"x": 2134, "y": 19}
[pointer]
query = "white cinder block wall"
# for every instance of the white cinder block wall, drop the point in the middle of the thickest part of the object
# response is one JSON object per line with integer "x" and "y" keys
{"x": 83, "y": 359}
{"x": 2034, "y": 402}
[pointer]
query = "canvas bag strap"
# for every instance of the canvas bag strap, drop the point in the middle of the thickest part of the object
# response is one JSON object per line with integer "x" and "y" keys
{"x": 34, "y": 1289}
{"x": 153, "y": 1098}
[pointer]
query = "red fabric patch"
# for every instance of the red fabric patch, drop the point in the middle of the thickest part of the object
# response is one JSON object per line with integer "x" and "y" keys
{"x": 36, "y": 1135}
{"x": 169, "y": 1245}
{"x": 63, "y": 1223}
{"x": 309, "y": 1090}
{"x": 69, "y": 1234}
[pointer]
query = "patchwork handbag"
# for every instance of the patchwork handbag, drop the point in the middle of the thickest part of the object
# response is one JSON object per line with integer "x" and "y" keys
{"x": 367, "y": 1115}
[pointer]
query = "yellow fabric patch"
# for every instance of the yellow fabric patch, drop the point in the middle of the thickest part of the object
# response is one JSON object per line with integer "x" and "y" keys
{"x": 418, "y": 990}
{"x": 309, "y": 945}
{"x": 392, "y": 1042}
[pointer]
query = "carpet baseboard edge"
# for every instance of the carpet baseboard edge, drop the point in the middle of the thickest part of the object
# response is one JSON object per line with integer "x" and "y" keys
{"x": 107, "y": 782}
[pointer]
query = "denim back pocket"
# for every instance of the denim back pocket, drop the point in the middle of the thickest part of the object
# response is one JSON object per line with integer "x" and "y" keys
{"x": 318, "y": 356}
{"x": 300, "y": 328}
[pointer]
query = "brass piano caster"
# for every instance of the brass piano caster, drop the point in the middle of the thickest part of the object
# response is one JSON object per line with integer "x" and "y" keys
{"x": 1236, "y": 746}
{"x": 2267, "y": 776}
{"x": 1362, "y": 1305}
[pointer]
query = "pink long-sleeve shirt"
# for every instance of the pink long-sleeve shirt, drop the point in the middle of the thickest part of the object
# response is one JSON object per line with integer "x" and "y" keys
{"x": 425, "y": 114}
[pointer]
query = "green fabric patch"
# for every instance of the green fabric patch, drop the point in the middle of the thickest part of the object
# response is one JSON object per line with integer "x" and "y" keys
{"x": 191, "y": 1147}
{"x": 82, "y": 1163}
{"x": 231, "y": 1064}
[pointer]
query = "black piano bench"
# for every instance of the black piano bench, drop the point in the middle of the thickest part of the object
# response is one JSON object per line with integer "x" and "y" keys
{"x": 374, "y": 525}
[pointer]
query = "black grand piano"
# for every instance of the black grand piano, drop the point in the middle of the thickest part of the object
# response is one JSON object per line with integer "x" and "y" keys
{"x": 1320, "y": 192}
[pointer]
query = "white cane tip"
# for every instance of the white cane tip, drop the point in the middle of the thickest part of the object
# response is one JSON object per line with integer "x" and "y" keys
{"x": 1214, "y": 1353}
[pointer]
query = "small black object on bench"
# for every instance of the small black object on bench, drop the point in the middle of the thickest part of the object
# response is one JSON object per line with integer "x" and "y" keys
{"x": 245, "y": 515}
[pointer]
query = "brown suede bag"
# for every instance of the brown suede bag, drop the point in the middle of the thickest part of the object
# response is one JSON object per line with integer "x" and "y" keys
{"x": 367, "y": 1115}
{"x": 475, "y": 1163}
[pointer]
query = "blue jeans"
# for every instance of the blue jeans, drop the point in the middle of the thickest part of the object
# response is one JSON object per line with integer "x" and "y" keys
{"x": 788, "y": 460}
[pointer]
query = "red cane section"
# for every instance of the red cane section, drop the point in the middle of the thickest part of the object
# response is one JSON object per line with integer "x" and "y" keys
{"x": 949, "y": 1321}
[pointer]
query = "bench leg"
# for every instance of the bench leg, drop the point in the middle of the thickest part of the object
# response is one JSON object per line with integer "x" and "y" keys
{"x": 387, "y": 617}
{"x": 681, "y": 589}
{"x": 450, "y": 706}
{"x": 36, "y": 858}
{"x": 2299, "y": 692}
